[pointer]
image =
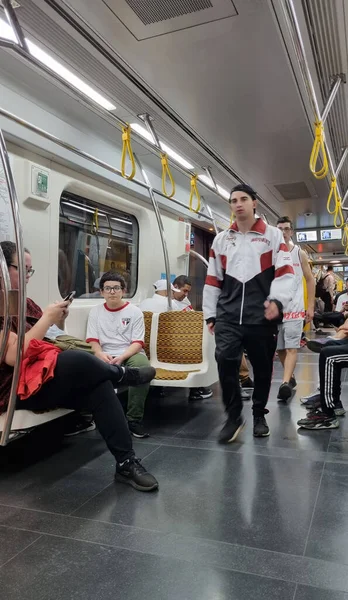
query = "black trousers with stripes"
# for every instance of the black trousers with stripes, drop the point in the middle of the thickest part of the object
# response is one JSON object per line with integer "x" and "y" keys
{"x": 332, "y": 360}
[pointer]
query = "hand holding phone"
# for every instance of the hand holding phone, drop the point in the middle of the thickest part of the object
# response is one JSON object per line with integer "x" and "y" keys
{"x": 70, "y": 297}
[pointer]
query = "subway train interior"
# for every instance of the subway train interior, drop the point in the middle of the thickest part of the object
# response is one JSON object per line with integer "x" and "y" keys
{"x": 125, "y": 124}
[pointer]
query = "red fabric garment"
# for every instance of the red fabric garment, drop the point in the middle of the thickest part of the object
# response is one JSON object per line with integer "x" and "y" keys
{"x": 34, "y": 313}
{"x": 37, "y": 367}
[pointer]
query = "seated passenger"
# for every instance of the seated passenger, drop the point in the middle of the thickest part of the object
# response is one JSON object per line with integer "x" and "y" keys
{"x": 116, "y": 333}
{"x": 158, "y": 302}
{"x": 74, "y": 423}
{"x": 81, "y": 381}
{"x": 182, "y": 287}
{"x": 327, "y": 405}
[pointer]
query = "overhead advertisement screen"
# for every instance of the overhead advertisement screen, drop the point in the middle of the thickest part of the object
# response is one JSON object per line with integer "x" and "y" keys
{"x": 330, "y": 234}
{"x": 306, "y": 236}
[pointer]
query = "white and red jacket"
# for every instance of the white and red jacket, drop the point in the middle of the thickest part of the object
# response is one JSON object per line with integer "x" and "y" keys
{"x": 244, "y": 271}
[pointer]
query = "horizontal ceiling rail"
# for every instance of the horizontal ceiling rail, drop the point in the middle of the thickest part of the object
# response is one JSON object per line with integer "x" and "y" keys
{"x": 112, "y": 118}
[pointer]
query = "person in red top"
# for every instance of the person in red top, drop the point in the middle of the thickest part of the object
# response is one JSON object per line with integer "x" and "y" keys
{"x": 81, "y": 381}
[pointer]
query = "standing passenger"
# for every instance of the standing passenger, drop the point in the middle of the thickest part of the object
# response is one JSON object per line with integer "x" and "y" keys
{"x": 250, "y": 278}
{"x": 290, "y": 331}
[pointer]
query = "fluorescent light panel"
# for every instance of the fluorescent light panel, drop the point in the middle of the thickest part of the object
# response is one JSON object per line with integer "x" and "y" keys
{"x": 42, "y": 56}
{"x": 222, "y": 191}
{"x": 148, "y": 136}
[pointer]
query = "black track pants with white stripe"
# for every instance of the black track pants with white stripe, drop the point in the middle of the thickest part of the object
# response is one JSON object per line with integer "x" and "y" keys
{"x": 332, "y": 360}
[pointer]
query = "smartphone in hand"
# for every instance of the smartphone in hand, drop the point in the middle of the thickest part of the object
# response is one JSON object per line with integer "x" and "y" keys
{"x": 70, "y": 297}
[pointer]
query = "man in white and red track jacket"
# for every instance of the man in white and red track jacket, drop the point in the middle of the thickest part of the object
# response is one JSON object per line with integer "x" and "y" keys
{"x": 249, "y": 282}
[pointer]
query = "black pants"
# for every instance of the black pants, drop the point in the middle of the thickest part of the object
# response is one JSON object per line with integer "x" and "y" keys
{"x": 82, "y": 381}
{"x": 260, "y": 342}
{"x": 329, "y": 318}
{"x": 332, "y": 359}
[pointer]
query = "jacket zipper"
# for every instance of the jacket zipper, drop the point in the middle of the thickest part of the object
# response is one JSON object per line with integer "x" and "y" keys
{"x": 242, "y": 304}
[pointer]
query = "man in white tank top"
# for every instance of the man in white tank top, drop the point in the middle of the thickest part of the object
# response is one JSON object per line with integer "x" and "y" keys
{"x": 290, "y": 331}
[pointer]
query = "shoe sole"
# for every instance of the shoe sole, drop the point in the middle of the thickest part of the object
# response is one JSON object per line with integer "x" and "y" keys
{"x": 140, "y": 436}
{"x": 304, "y": 400}
{"x": 314, "y": 346}
{"x": 262, "y": 434}
{"x": 340, "y": 412}
{"x": 91, "y": 428}
{"x": 320, "y": 427}
{"x": 235, "y": 435}
{"x": 136, "y": 486}
{"x": 205, "y": 396}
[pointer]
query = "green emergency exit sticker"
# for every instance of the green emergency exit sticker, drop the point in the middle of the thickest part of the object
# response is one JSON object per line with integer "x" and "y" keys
{"x": 41, "y": 183}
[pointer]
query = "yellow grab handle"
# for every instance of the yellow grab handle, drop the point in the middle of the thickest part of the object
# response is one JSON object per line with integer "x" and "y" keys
{"x": 95, "y": 222}
{"x": 319, "y": 145}
{"x": 335, "y": 207}
{"x": 345, "y": 238}
{"x": 166, "y": 172}
{"x": 127, "y": 149}
{"x": 195, "y": 192}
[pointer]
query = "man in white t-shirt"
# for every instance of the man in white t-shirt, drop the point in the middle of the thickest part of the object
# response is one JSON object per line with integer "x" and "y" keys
{"x": 116, "y": 333}
{"x": 159, "y": 301}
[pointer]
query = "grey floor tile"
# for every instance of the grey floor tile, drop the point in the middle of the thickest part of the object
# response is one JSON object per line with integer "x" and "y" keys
{"x": 12, "y": 542}
{"x": 64, "y": 480}
{"x": 311, "y": 593}
{"x": 232, "y": 497}
{"x": 328, "y": 538}
{"x": 203, "y": 552}
{"x": 61, "y": 569}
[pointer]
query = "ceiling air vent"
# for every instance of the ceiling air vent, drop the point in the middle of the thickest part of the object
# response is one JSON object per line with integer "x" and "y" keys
{"x": 293, "y": 191}
{"x": 154, "y": 11}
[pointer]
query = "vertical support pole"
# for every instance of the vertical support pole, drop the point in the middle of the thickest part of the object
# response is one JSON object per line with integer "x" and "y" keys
{"x": 22, "y": 288}
{"x": 13, "y": 21}
{"x": 6, "y": 317}
{"x": 161, "y": 230}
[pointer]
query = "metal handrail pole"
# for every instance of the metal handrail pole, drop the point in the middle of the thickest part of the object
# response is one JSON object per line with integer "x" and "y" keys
{"x": 341, "y": 163}
{"x": 200, "y": 257}
{"x": 211, "y": 177}
{"x": 6, "y": 317}
{"x": 210, "y": 212}
{"x": 332, "y": 95}
{"x": 83, "y": 154}
{"x": 13, "y": 21}
{"x": 298, "y": 46}
{"x": 345, "y": 198}
{"x": 161, "y": 231}
{"x": 145, "y": 117}
{"x": 11, "y": 407}
{"x": 105, "y": 114}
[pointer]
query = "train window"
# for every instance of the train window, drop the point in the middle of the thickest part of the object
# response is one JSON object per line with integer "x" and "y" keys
{"x": 93, "y": 239}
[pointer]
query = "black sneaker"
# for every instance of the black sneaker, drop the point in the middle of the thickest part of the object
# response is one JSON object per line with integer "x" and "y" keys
{"x": 81, "y": 426}
{"x": 205, "y": 392}
{"x": 195, "y": 395}
{"x": 318, "y": 420}
{"x": 317, "y": 345}
{"x": 133, "y": 473}
{"x": 293, "y": 382}
{"x": 261, "y": 428}
{"x": 247, "y": 384}
{"x": 230, "y": 430}
{"x": 339, "y": 410}
{"x": 137, "y": 430}
{"x": 284, "y": 392}
{"x": 133, "y": 376}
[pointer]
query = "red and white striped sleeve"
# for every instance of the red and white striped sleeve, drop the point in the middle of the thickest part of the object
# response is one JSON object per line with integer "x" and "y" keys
{"x": 213, "y": 282}
{"x": 283, "y": 282}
